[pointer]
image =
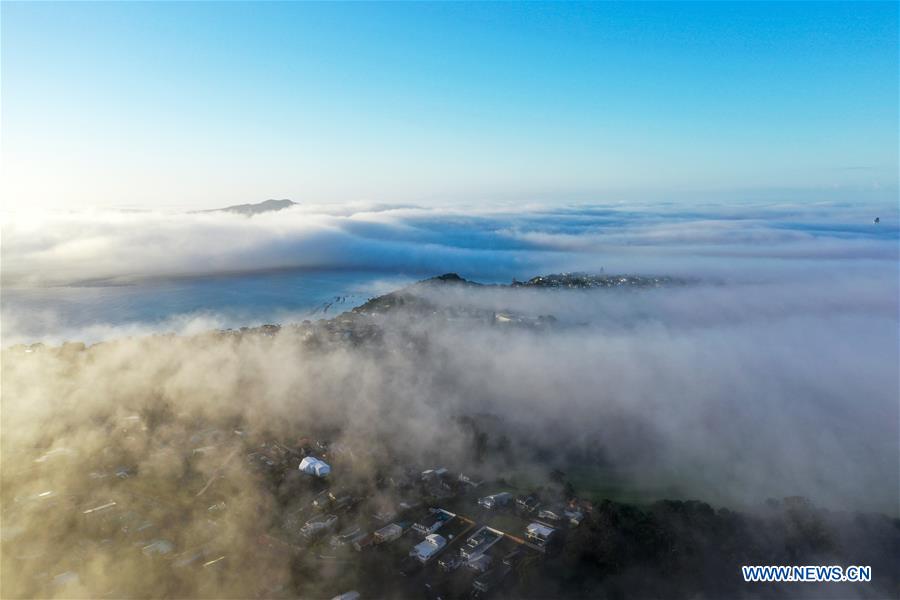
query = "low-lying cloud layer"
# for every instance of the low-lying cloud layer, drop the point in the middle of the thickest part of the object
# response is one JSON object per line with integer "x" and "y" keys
{"x": 756, "y": 395}
{"x": 124, "y": 246}
{"x": 773, "y": 372}
{"x": 85, "y": 276}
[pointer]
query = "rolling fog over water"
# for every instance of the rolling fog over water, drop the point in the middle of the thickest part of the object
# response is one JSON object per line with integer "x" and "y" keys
{"x": 92, "y": 313}
{"x": 788, "y": 323}
{"x": 449, "y": 301}
{"x": 94, "y": 275}
{"x": 766, "y": 368}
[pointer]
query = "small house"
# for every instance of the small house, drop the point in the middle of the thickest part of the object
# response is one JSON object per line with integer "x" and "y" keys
{"x": 539, "y": 533}
{"x": 388, "y": 533}
{"x": 314, "y": 466}
{"x": 429, "y": 548}
{"x": 495, "y": 500}
{"x": 434, "y": 521}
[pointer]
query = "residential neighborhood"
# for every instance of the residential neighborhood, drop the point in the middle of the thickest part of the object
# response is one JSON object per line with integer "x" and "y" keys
{"x": 429, "y": 528}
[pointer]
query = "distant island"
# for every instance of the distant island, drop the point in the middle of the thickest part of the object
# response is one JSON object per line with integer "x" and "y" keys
{"x": 254, "y": 209}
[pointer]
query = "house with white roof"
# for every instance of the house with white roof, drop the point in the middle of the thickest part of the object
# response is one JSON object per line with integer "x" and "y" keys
{"x": 539, "y": 533}
{"x": 314, "y": 466}
{"x": 429, "y": 548}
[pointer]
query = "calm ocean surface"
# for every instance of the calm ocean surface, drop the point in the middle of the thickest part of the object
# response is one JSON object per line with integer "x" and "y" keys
{"x": 92, "y": 313}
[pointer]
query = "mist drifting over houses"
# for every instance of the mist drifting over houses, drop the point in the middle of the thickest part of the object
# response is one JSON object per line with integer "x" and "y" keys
{"x": 763, "y": 365}
{"x": 449, "y": 300}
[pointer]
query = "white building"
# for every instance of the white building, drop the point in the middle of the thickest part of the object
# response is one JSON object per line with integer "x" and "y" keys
{"x": 539, "y": 534}
{"x": 314, "y": 466}
{"x": 426, "y": 550}
{"x": 495, "y": 500}
{"x": 479, "y": 542}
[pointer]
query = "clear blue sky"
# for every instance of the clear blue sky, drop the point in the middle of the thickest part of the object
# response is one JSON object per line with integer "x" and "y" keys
{"x": 205, "y": 104}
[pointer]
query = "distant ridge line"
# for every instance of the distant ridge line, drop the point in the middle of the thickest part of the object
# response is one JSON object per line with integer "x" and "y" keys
{"x": 254, "y": 209}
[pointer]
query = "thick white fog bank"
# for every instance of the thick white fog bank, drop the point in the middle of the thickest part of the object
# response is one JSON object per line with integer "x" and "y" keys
{"x": 729, "y": 392}
{"x": 93, "y": 276}
{"x": 768, "y": 367}
{"x": 116, "y": 246}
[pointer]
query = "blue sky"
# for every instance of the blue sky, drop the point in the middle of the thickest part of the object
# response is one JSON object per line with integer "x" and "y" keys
{"x": 207, "y": 104}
